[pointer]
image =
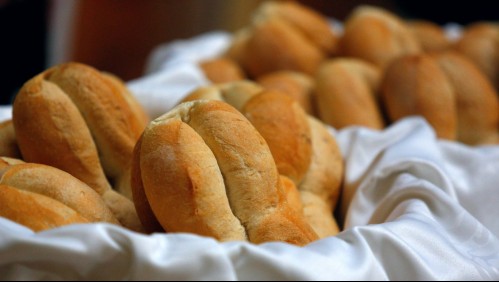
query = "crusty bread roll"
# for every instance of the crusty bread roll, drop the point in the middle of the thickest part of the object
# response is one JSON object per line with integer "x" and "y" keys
{"x": 297, "y": 85}
{"x": 60, "y": 186}
{"x": 283, "y": 36}
{"x": 205, "y": 169}
{"x": 36, "y": 211}
{"x": 114, "y": 126}
{"x": 431, "y": 36}
{"x": 415, "y": 85}
{"x": 476, "y": 99}
{"x": 480, "y": 43}
{"x": 377, "y": 36}
{"x": 284, "y": 126}
{"x": 345, "y": 94}
{"x": 310, "y": 23}
{"x": 8, "y": 142}
{"x": 72, "y": 118}
{"x": 320, "y": 189}
{"x": 222, "y": 70}
{"x": 275, "y": 45}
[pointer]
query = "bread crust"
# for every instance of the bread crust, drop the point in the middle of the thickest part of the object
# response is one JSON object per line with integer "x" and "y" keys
{"x": 415, "y": 85}
{"x": 299, "y": 86}
{"x": 431, "y": 36}
{"x": 377, "y": 36}
{"x": 217, "y": 176}
{"x": 308, "y": 22}
{"x": 273, "y": 36}
{"x": 284, "y": 126}
{"x": 222, "y": 70}
{"x": 74, "y": 118}
{"x": 476, "y": 99}
{"x": 480, "y": 43}
{"x": 35, "y": 211}
{"x": 321, "y": 187}
{"x": 345, "y": 94}
{"x": 60, "y": 186}
{"x": 8, "y": 141}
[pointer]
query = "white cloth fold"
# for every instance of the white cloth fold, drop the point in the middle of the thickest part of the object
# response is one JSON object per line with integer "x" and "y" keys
{"x": 414, "y": 208}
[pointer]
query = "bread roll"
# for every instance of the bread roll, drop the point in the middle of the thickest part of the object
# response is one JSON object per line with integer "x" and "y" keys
{"x": 284, "y": 126}
{"x": 205, "y": 169}
{"x": 60, "y": 186}
{"x": 345, "y": 94}
{"x": 377, "y": 36}
{"x": 35, "y": 211}
{"x": 72, "y": 118}
{"x": 113, "y": 124}
{"x": 274, "y": 45}
{"x": 415, "y": 85}
{"x": 296, "y": 85}
{"x": 431, "y": 36}
{"x": 222, "y": 70}
{"x": 476, "y": 99}
{"x": 8, "y": 142}
{"x": 310, "y": 23}
{"x": 320, "y": 189}
{"x": 480, "y": 43}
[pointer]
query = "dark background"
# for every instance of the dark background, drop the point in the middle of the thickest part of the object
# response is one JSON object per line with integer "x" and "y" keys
{"x": 118, "y": 35}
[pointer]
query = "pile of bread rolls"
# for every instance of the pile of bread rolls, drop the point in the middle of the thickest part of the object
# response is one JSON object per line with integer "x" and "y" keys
{"x": 249, "y": 157}
{"x": 379, "y": 69}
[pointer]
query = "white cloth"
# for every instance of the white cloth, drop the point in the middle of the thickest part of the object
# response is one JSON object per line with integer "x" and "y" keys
{"x": 415, "y": 208}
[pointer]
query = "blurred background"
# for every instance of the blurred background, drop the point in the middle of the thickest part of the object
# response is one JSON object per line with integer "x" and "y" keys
{"x": 118, "y": 35}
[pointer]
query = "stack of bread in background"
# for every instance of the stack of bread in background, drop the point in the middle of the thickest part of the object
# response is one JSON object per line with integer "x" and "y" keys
{"x": 249, "y": 157}
{"x": 379, "y": 69}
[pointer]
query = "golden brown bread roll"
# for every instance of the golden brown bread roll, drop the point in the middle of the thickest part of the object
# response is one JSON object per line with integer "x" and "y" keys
{"x": 8, "y": 142}
{"x": 298, "y": 86}
{"x": 283, "y": 36}
{"x": 222, "y": 70}
{"x": 345, "y": 94}
{"x": 58, "y": 185}
{"x": 377, "y": 36}
{"x": 431, "y": 36}
{"x": 284, "y": 125}
{"x": 205, "y": 169}
{"x": 310, "y": 23}
{"x": 476, "y": 99}
{"x": 72, "y": 118}
{"x": 320, "y": 189}
{"x": 480, "y": 43}
{"x": 274, "y": 45}
{"x": 35, "y": 211}
{"x": 415, "y": 85}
